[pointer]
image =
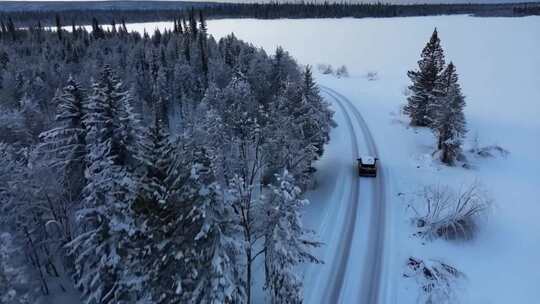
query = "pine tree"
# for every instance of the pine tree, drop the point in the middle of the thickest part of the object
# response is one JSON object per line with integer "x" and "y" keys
{"x": 286, "y": 242}
{"x": 161, "y": 97}
{"x": 220, "y": 279}
{"x": 154, "y": 188}
{"x": 108, "y": 196}
{"x": 203, "y": 47}
{"x": 319, "y": 122}
{"x": 157, "y": 158}
{"x": 431, "y": 64}
{"x": 449, "y": 124}
{"x": 65, "y": 144}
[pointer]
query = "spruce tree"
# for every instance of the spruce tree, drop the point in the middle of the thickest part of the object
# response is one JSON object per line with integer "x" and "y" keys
{"x": 108, "y": 196}
{"x": 421, "y": 102}
{"x": 65, "y": 144}
{"x": 287, "y": 244}
{"x": 161, "y": 97}
{"x": 319, "y": 121}
{"x": 449, "y": 124}
{"x": 220, "y": 279}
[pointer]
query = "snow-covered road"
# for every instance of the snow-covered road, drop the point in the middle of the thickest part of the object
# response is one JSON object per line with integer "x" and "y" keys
{"x": 356, "y": 265}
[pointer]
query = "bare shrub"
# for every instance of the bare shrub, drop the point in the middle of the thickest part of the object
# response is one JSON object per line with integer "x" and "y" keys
{"x": 486, "y": 151}
{"x": 436, "y": 279}
{"x": 451, "y": 214}
{"x": 342, "y": 72}
{"x": 325, "y": 68}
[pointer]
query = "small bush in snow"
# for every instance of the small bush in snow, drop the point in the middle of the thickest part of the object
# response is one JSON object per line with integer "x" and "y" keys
{"x": 486, "y": 151}
{"x": 325, "y": 68}
{"x": 342, "y": 72}
{"x": 450, "y": 214}
{"x": 436, "y": 279}
{"x": 372, "y": 76}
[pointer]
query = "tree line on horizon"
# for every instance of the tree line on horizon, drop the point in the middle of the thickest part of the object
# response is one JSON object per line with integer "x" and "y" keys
{"x": 154, "y": 168}
{"x": 157, "y": 12}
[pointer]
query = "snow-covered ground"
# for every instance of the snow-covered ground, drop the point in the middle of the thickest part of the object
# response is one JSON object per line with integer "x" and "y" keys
{"x": 499, "y": 67}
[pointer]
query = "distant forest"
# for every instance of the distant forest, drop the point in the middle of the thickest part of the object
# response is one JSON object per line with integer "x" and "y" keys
{"x": 82, "y": 13}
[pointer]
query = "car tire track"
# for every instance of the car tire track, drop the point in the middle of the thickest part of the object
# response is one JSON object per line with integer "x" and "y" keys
{"x": 370, "y": 291}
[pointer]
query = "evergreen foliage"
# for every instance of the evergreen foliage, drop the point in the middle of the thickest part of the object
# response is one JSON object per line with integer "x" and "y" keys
{"x": 449, "y": 125}
{"x": 421, "y": 102}
{"x": 169, "y": 213}
{"x": 437, "y": 101}
{"x": 286, "y": 242}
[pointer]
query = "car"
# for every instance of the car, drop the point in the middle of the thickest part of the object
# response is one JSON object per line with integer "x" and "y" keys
{"x": 367, "y": 166}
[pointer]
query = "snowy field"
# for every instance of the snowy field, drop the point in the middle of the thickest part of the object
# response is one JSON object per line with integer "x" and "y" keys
{"x": 499, "y": 66}
{"x": 498, "y": 63}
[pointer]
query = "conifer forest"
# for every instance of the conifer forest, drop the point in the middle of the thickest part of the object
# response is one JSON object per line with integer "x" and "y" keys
{"x": 272, "y": 152}
{"x": 157, "y": 168}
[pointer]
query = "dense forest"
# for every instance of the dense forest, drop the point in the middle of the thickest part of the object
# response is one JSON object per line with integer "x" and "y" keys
{"x": 153, "y": 168}
{"x": 79, "y": 13}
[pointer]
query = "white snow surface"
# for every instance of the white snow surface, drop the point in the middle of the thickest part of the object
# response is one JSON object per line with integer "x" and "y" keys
{"x": 499, "y": 67}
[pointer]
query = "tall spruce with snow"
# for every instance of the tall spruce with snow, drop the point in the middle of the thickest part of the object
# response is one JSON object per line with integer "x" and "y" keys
{"x": 65, "y": 145}
{"x": 287, "y": 244}
{"x": 188, "y": 254}
{"x": 420, "y": 103}
{"x": 106, "y": 213}
{"x": 157, "y": 158}
{"x": 449, "y": 124}
{"x": 161, "y": 96}
{"x": 220, "y": 279}
{"x": 319, "y": 122}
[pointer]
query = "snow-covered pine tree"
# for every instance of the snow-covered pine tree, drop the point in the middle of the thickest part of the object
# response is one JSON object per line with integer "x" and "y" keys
{"x": 449, "y": 124}
{"x": 431, "y": 64}
{"x": 203, "y": 47}
{"x": 220, "y": 276}
{"x": 157, "y": 157}
{"x": 101, "y": 272}
{"x": 161, "y": 96}
{"x": 123, "y": 130}
{"x": 65, "y": 145}
{"x": 183, "y": 229}
{"x": 317, "y": 128}
{"x": 287, "y": 244}
{"x": 301, "y": 123}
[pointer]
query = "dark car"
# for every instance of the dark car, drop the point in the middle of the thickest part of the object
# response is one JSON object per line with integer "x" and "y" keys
{"x": 367, "y": 166}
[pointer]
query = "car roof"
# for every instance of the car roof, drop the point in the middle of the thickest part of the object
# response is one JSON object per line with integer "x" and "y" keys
{"x": 367, "y": 160}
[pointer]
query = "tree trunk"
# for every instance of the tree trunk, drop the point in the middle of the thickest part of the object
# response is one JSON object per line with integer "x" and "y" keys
{"x": 248, "y": 278}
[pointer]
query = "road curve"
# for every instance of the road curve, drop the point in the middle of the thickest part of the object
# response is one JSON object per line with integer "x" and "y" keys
{"x": 339, "y": 265}
{"x": 370, "y": 289}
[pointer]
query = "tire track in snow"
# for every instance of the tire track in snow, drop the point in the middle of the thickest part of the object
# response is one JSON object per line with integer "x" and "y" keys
{"x": 371, "y": 283}
{"x": 344, "y": 248}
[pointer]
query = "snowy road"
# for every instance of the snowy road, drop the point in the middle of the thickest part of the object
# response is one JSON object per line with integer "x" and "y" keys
{"x": 357, "y": 265}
